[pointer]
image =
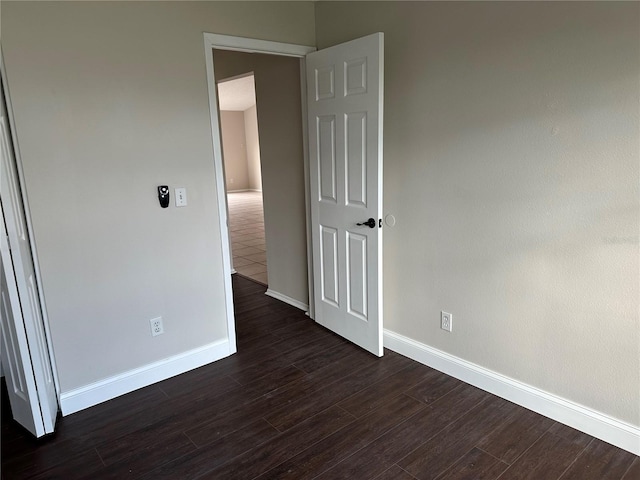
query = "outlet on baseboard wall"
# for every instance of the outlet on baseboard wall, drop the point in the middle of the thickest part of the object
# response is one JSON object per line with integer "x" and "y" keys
{"x": 446, "y": 321}
{"x": 156, "y": 326}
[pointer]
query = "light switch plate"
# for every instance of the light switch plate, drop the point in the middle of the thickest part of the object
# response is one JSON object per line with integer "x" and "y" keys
{"x": 181, "y": 197}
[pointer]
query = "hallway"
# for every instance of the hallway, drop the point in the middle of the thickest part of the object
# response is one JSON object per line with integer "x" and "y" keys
{"x": 246, "y": 223}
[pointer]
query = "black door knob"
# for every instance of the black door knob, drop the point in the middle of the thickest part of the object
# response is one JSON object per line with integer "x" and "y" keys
{"x": 371, "y": 223}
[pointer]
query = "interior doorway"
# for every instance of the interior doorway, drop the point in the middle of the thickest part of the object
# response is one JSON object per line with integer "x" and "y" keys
{"x": 279, "y": 114}
{"x": 243, "y": 176}
{"x": 285, "y": 177}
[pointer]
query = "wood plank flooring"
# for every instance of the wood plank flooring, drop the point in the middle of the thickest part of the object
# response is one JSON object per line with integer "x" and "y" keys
{"x": 298, "y": 402}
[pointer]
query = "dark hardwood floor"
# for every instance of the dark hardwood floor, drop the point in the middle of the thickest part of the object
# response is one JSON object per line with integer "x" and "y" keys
{"x": 298, "y": 402}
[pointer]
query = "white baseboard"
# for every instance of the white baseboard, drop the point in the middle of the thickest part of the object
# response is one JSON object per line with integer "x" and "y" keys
{"x": 291, "y": 301}
{"x": 244, "y": 190}
{"x": 233, "y": 270}
{"x": 581, "y": 418}
{"x": 103, "y": 390}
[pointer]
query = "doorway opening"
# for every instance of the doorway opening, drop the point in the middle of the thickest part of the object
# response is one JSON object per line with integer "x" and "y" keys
{"x": 339, "y": 159}
{"x": 279, "y": 112}
{"x": 243, "y": 176}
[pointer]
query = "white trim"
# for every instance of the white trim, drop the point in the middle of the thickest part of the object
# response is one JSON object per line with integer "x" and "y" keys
{"x": 252, "y": 45}
{"x": 594, "y": 423}
{"x": 103, "y": 390}
{"x": 27, "y": 214}
{"x": 244, "y": 190}
{"x": 286, "y": 299}
{"x": 307, "y": 187}
{"x": 222, "y": 194}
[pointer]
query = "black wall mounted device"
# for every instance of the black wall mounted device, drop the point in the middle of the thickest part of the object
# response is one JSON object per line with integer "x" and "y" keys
{"x": 163, "y": 195}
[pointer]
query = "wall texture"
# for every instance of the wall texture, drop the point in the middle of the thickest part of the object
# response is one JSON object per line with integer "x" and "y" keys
{"x": 512, "y": 166}
{"x": 110, "y": 100}
{"x": 234, "y": 150}
{"x": 253, "y": 148}
{"x": 281, "y": 156}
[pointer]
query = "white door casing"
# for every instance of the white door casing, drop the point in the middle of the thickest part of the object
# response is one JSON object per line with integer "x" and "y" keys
{"x": 345, "y": 113}
{"x": 28, "y": 369}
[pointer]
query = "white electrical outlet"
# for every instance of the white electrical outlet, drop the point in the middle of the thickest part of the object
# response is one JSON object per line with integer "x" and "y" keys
{"x": 156, "y": 326}
{"x": 446, "y": 321}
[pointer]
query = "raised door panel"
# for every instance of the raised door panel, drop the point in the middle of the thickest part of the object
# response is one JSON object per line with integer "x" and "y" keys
{"x": 326, "y": 154}
{"x": 329, "y": 266}
{"x": 325, "y": 82}
{"x": 11, "y": 361}
{"x": 356, "y": 158}
{"x": 357, "y": 275}
{"x": 355, "y": 76}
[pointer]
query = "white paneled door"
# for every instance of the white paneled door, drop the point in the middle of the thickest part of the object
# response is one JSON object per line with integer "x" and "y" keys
{"x": 345, "y": 99}
{"x": 25, "y": 357}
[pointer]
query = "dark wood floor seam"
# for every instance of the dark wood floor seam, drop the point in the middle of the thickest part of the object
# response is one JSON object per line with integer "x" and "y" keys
{"x": 276, "y": 428}
{"x": 582, "y": 452}
{"x": 101, "y": 459}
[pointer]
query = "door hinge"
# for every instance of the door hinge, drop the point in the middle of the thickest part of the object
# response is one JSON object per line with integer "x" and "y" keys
{"x": 8, "y": 242}
{"x": 380, "y": 223}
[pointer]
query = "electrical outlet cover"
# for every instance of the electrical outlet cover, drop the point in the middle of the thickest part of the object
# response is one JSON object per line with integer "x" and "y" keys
{"x": 156, "y": 326}
{"x": 446, "y": 321}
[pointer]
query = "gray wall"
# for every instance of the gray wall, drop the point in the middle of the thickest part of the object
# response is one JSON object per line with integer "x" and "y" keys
{"x": 253, "y": 148}
{"x": 278, "y": 104}
{"x": 110, "y": 100}
{"x": 234, "y": 150}
{"x": 241, "y": 149}
{"x": 511, "y": 164}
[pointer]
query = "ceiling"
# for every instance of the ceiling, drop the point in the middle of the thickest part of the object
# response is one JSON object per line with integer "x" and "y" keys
{"x": 237, "y": 94}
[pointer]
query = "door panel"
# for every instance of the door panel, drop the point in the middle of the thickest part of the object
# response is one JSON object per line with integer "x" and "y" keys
{"x": 16, "y": 381}
{"x": 324, "y": 82}
{"x": 357, "y": 274}
{"x": 34, "y": 404}
{"x": 327, "y": 158}
{"x": 355, "y": 72}
{"x": 356, "y": 158}
{"x": 344, "y": 93}
{"x": 329, "y": 265}
{"x": 16, "y": 362}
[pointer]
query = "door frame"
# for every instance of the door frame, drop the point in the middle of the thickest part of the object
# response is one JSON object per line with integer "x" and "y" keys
{"x": 27, "y": 214}
{"x": 251, "y": 45}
